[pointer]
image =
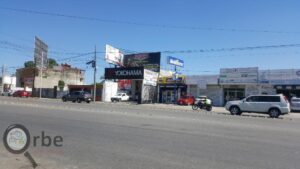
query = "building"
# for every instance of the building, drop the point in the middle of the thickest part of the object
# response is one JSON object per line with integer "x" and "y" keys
{"x": 170, "y": 88}
{"x": 31, "y": 78}
{"x": 139, "y": 82}
{"x": 237, "y": 83}
{"x": 7, "y": 83}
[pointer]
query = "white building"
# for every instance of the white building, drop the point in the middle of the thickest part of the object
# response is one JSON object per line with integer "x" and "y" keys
{"x": 237, "y": 83}
{"x": 7, "y": 82}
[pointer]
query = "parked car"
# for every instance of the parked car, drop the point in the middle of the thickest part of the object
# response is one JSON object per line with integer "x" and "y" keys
{"x": 77, "y": 96}
{"x": 186, "y": 100}
{"x": 7, "y": 93}
{"x": 274, "y": 105}
{"x": 295, "y": 104}
{"x": 120, "y": 97}
{"x": 21, "y": 93}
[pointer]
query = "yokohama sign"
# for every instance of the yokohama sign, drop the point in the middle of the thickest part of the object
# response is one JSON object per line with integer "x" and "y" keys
{"x": 124, "y": 73}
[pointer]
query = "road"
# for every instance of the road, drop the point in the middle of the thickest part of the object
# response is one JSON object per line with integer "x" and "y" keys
{"x": 118, "y": 136}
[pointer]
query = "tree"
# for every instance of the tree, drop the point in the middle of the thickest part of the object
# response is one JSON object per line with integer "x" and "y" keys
{"x": 30, "y": 64}
{"x": 52, "y": 62}
{"x": 61, "y": 83}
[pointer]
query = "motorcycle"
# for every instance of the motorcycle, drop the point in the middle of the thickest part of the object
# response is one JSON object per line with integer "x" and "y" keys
{"x": 201, "y": 105}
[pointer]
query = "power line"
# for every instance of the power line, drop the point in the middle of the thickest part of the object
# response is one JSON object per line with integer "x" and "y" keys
{"x": 81, "y": 55}
{"x": 231, "y": 49}
{"x": 146, "y": 24}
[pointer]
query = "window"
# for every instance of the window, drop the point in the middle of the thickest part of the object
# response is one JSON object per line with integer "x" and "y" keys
{"x": 252, "y": 99}
{"x": 274, "y": 99}
{"x": 268, "y": 99}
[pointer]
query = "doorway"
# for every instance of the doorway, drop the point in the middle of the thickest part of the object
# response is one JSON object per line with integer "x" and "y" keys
{"x": 233, "y": 94}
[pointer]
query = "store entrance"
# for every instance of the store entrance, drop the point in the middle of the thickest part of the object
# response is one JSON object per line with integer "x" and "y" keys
{"x": 233, "y": 94}
{"x": 289, "y": 93}
{"x": 168, "y": 96}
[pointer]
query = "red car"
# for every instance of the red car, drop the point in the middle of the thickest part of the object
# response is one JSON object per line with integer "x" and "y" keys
{"x": 186, "y": 100}
{"x": 21, "y": 93}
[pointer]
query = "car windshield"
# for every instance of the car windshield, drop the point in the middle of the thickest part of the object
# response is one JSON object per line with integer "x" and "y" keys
{"x": 295, "y": 100}
{"x": 150, "y": 84}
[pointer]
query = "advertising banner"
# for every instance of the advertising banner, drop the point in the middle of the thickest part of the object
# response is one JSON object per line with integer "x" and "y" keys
{"x": 40, "y": 53}
{"x": 150, "y": 77}
{"x": 124, "y": 73}
{"x": 170, "y": 79}
{"x": 239, "y": 75}
{"x": 113, "y": 55}
{"x": 175, "y": 61}
{"x": 124, "y": 84}
{"x": 280, "y": 76}
{"x": 150, "y": 61}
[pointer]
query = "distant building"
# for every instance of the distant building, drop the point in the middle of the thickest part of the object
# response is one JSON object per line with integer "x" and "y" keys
{"x": 9, "y": 83}
{"x": 31, "y": 78}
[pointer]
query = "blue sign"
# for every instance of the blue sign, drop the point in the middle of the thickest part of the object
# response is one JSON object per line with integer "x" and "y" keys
{"x": 175, "y": 61}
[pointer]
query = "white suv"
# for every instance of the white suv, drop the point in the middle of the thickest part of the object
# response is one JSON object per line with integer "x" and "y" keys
{"x": 274, "y": 105}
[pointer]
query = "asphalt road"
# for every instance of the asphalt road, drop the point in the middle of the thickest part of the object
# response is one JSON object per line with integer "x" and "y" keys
{"x": 113, "y": 136}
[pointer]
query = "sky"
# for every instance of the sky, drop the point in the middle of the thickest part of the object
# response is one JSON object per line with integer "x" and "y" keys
{"x": 189, "y": 25}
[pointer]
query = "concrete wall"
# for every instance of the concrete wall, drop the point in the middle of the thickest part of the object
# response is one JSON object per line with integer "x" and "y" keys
{"x": 51, "y": 78}
{"x": 214, "y": 92}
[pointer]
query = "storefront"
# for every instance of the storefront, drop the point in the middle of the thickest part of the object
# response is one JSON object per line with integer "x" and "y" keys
{"x": 285, "y": 81}
{"x": 237, "y": 83}
{"x": 288, "y": 90}
{"x": 170, "y": 89}
{"x": 138, "y": 82}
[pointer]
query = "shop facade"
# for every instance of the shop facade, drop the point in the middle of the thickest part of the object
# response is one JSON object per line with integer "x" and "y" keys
{"x": 237, "y": 83}
{"x": 170, "y": 88}
{"x": 138, "y": 82}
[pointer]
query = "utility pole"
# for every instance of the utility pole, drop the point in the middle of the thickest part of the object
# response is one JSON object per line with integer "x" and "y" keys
{"x": 94, "y": 65}
{"x": 175, "y": 88}
{"x": 41, "y": 74}
{"x": 2, "y": 81}
{"x": 95, "y": 72}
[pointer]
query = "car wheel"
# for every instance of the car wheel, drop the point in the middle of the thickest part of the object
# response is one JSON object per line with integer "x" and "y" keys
{"x": 78, "y": 100}
{"x": 274, "y": 113}
{"x": 88, "y": 101}
{"x": 64, "y": 99}
{"x": 195, "y": 107}
{"x": 234, "y": 110}
{"x": 209, "y": 108}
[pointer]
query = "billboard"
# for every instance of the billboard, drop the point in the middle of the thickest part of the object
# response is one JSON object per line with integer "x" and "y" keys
{"x": 40, "y": 53}
{"x": 239, "y": 75}
{"x": 171, "y": 80}
{"x": 150, "y": 61}
{"x": 124, "y": 73}
{"x": 113, "y": 55}
{"x": 175, "y": 61}
{"x": 150, "y": 77}
{"x": 280, "y": 76}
